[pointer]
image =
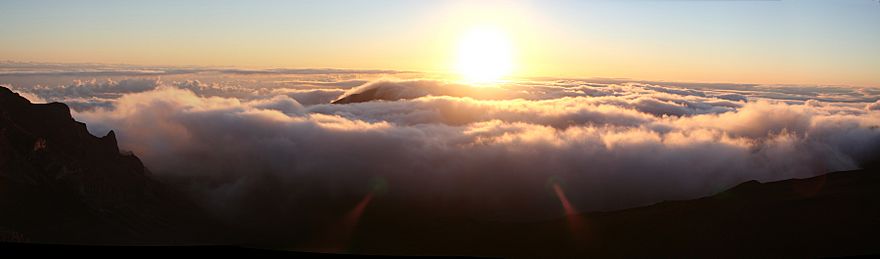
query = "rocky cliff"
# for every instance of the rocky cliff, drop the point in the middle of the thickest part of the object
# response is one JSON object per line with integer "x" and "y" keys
{"x": 60, "y": 184}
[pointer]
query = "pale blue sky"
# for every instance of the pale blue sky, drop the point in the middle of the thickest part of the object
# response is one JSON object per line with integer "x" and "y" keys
{"x": 769, "y": 41}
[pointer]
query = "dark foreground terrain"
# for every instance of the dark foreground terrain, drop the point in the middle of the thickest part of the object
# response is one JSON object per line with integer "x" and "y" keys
{"x": 836, "y": 214}
{"x": 60, "y": 185}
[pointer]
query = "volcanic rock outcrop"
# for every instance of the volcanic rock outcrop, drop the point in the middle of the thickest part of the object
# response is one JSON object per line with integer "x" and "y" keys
{"x": 60, "y": 184}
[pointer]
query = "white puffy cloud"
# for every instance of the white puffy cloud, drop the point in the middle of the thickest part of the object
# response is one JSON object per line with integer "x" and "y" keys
{"x": 94, "y": 88}
{"x": 631, "y": 146}
{"x": 875, "y": 106}
{"x": 252, "y": 145}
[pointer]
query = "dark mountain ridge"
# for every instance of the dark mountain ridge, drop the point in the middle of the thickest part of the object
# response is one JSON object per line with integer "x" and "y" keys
{"x": 58, "y": 183}
{"x": 836, "y": 214}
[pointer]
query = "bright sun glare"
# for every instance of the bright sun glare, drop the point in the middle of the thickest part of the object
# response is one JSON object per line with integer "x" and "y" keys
{"x": 484, "y": 55}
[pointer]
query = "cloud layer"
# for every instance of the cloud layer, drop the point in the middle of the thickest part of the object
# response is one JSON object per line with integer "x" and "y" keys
{"x": 633, "y": 146}
{"x": 283, "y": 149}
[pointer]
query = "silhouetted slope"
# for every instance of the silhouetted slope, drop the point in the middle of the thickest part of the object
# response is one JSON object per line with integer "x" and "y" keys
{"x": 393, "y": 91}
{"x": 58, "y": 183}
{"x": 365, "y": 96}
{"x": 830, "y": 215}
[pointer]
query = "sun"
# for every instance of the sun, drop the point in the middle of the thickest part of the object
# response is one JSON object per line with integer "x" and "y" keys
{"x": 485, "y": 55}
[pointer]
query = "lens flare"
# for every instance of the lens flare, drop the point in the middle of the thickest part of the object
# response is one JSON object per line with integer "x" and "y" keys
{"x": 576, "y": 223}
{"x": 569, "y": 209}
{"x": 338, "y": 237}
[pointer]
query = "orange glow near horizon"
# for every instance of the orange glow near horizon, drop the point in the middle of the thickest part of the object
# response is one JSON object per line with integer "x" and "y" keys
{"x": 471, "y": 41}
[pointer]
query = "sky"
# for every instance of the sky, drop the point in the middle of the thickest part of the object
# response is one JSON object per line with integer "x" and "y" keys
{"x": 769, "y": 42}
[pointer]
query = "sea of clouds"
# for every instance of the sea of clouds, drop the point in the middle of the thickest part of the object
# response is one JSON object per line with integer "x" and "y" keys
{"x": 248, "y": 142}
